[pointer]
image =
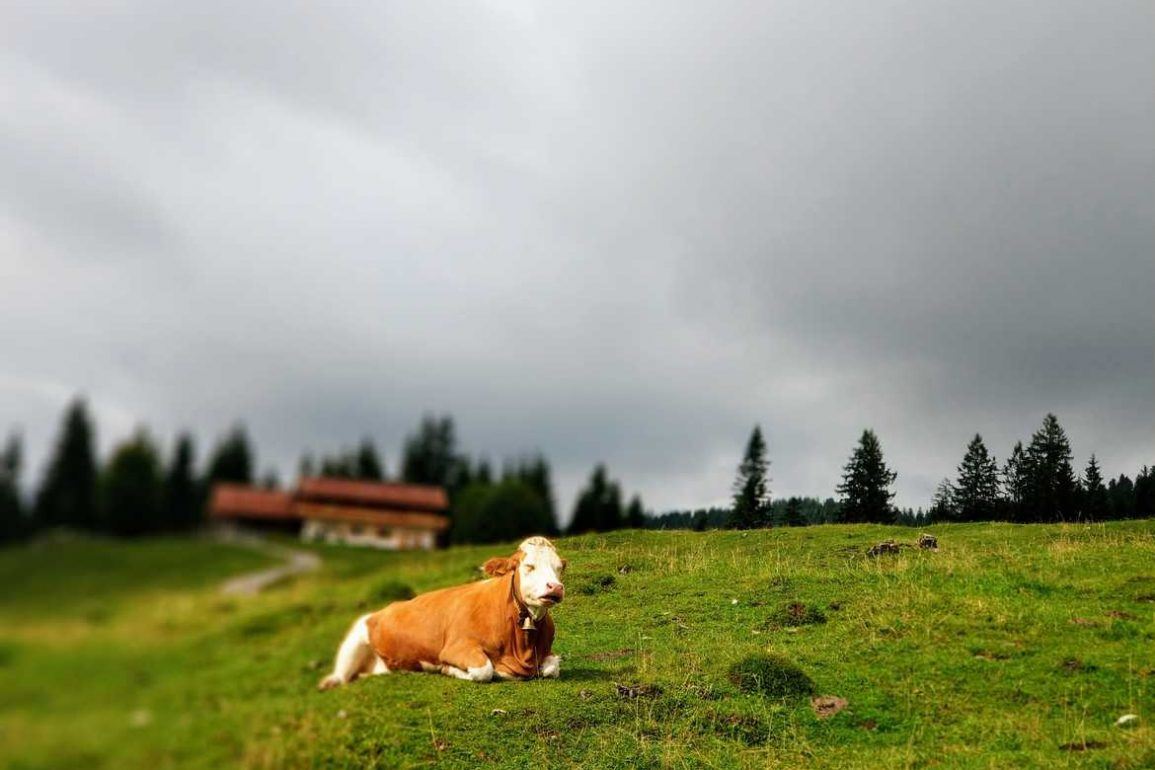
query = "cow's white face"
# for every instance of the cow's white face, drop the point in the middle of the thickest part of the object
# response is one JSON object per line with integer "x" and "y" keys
{"x": 540, "y": 573}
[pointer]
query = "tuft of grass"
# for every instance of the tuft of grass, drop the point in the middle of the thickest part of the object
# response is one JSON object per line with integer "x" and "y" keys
{"x": 794, "y": 614}
{"x": 772, "y": 676}
{"x": 596, "y": 585}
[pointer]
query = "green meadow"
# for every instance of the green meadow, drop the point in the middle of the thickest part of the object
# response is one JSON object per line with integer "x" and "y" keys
{"x": 1010, "y": 646}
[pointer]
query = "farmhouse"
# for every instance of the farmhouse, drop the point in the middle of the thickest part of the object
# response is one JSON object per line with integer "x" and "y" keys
{"x": 368, "y": 513}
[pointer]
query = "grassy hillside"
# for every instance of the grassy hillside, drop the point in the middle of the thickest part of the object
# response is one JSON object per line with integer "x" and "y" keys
{"x": 1009, "y": 647}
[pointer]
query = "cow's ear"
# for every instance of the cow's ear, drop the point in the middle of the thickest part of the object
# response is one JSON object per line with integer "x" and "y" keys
{"x": 564, "y": 564}
{"x": 498, "y": 566}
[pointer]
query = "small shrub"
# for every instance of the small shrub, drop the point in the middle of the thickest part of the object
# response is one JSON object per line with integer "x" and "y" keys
{"x": 771, "y": 675}
{"x": 794, "y": 614}
{"x": 7, "y": 653}
{"x": 596, "y": 585}
{"x": 390, "y": 590}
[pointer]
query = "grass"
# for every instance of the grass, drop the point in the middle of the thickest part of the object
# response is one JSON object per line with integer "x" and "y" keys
{"x": 1012, "y": 646}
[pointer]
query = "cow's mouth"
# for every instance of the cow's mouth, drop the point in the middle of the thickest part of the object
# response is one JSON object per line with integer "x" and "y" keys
{"x": 550, "y": 599}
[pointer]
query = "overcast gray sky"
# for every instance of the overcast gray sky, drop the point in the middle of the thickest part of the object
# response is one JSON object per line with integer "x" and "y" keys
{"x": 612, "y": 232}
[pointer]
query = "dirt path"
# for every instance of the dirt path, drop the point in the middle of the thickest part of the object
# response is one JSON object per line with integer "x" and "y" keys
{"x": 250, "y": 583}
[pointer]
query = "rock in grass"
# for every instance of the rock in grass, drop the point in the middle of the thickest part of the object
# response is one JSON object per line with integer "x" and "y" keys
{"x": 886, "y": 546}
{"x": 1127, "y": 720}
{"x": 771, "y": 675}
{"x": 928, "y": 542}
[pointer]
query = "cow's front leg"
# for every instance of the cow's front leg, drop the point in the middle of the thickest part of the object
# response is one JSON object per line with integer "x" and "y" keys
{"x": 466, "y": 661}
{"x": 551, "y": 667}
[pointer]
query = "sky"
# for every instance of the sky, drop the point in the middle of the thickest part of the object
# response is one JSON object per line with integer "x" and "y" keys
{"x": 620, "y": 233}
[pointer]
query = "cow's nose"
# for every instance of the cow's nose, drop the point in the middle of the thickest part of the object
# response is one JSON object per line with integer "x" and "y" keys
{"x": 555, "y": 589}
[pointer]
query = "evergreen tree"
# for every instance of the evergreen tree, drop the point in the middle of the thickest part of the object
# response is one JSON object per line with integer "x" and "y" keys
{"x": 508, "y": 510}
{"x": 182, "y": 497}
{"x": 1052, "y": 487}
{"x": 1094, "y": 503}
{"x": 67, "y": 495}
{"x": 944, "y": 506}
{"x": 368, "y": 464}
{"x": 131, "y": 488}
{"x": 430, "y": 454}
{"x": 751, "y": 490}
{"x": 232, "y": 461}
{"x": 792, "y": 516}
{"x": 1144, "y": 498}
{"x": 307, "y": 467}
{"x": 635, "y": 514}
{"x": 534, "y": 472}
{"x": 1121, "y": 493}
{"x": 599, "y": 505}
{"x": 977, "y": 490}
{"x": 484, "y": 472}
{"x": 1016, "y": 483}
{"x": 865, "y": 487}
{"x": 13, "y": 522}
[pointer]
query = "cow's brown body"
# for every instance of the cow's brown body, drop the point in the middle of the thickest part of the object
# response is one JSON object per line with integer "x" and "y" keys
{"x": 496, "y": 627}
{"x": 450, "y": 627}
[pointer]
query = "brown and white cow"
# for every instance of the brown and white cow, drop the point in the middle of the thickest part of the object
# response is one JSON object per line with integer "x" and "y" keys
{"x": 495, "y": 627}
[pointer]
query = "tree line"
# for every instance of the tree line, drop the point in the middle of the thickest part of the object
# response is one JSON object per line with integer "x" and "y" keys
{"x": 1037, "y": 483}
{"x": 139, "y": 489}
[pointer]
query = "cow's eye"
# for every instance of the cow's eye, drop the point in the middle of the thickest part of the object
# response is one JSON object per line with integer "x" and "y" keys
{"x": 529, "y": 568}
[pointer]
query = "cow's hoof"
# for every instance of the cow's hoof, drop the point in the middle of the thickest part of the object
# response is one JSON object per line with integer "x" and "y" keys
{"x": 329, "y": 682}
{"x": 551, "y": 667}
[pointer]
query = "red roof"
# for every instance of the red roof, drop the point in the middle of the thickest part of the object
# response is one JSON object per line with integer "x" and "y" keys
{"x": 373, "y": 494}
{"x": 237, "y": 500}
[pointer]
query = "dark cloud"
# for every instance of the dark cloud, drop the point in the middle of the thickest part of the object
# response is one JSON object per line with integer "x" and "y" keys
{"x": 608, "y": 233}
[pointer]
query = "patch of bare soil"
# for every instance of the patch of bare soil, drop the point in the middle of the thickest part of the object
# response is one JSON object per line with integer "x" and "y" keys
{"x": 1082, "y": 745}
{"x": 826, "y": 706}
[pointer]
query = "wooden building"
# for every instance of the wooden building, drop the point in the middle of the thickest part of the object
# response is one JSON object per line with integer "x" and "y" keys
{"x": 367, "y": 513}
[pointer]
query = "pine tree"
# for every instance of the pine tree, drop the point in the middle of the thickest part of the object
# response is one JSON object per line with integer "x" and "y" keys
{"x": 1144, "y": 493}
{"x": 1051, "y": 487}
{"x": 635, "y": 514}
{"x": 182, "y": 498}
{"x": 1094, "y": 504}
{"x": 599, "y": 505}
{"x": 793, "y": 517}
{"x": 130, "y": 488}
{"x": 430, "y": 454}
{"x": 535, "y": 472}
{"x": 1121, "y": 493}
{"x": 67, "y": 495}
{"x": 13, "y": 522}
{"x": 977, "y": 490}
{"x": 1016, "y": 483}
{"x": 751, "y": 491}
{"x": 944, "y": 506}
{"x": 232, "y": 461}
{"x": 865, "y": 487}
{"x": 368, "y": 463}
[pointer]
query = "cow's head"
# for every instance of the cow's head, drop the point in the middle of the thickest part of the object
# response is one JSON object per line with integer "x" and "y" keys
{"x": 538, "y": 571}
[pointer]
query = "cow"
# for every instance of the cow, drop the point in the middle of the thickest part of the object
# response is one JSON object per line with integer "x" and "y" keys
{"x": 499, "y": 626}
